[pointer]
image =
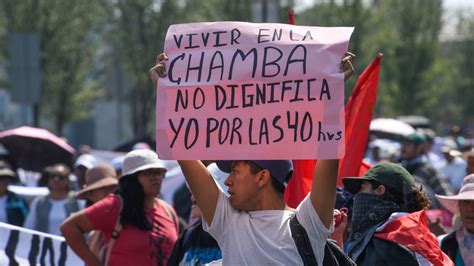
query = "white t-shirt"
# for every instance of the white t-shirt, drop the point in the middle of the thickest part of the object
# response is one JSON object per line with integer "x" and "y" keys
{"x": 264, "y": 237}
{"x": 56, "y": 216}
{"x": 3, "y": 209}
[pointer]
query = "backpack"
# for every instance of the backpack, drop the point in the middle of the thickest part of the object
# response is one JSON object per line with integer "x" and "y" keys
{"x": 333, "y": 255}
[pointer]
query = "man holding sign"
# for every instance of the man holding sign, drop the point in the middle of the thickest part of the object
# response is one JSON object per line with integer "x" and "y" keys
{"x": 254, "y": 226}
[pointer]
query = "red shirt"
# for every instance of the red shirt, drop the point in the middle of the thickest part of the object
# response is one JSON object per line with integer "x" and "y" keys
{"x": 135, "y": 246}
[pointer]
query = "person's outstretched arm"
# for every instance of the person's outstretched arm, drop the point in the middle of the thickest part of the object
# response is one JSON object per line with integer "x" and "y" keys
{"x": 200, "y": 181}
{"x": 323, "y": 190}
{"x": 73, "y": 229}
{"x": 202, "y": 186}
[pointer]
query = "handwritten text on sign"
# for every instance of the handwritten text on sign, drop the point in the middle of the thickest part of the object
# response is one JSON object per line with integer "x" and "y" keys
{"x": 239, "y": 90}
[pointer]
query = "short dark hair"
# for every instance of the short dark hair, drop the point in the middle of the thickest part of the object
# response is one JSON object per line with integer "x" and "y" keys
{"x": 254, "y": 168}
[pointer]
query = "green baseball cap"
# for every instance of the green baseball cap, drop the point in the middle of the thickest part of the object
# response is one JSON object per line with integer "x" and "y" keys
{"x": 388, "y": 174}
{"x": 416, "y": 138}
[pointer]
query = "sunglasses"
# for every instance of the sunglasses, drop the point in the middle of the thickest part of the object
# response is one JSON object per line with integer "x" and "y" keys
{"x": 59, "y": 176}
{"x": 153, "y": 172}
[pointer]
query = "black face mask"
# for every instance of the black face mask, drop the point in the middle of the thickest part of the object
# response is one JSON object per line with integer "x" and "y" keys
{"x": 369, "y": 210}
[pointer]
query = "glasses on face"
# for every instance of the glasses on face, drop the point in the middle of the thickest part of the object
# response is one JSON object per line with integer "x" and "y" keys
{"x": 153, "y": 172}
{"x": 58, "y": 176}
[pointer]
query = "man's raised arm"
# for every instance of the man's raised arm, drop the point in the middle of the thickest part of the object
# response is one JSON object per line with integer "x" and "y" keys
{"x": 323, "y": 190}
{"x": 202, "y": 186}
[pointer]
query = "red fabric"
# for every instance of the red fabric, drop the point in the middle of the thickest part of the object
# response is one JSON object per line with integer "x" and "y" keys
{"x": 358, "y": 110}
{"x": 135, "y": 246}
{"x": 300, "y": 183}
{"x": 291, "y": 17}
{"x": 412, "y": 232}
{"x": 364, "y": 167}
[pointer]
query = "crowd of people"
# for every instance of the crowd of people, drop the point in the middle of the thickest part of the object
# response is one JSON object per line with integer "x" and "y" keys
{"x": 111, "y": 213}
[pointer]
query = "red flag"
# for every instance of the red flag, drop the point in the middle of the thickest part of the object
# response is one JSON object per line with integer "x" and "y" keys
{"x": 300, "y": 183}
{"x": 412, "y": 232}
{"x": 358, "y": 110}
{"x": 291, "y": 17}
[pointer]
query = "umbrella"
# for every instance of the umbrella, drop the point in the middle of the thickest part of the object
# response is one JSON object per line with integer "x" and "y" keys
{"x": 391, "y": 128}
{"x": 415, "y": 121}
{"x": 35, "y": 148}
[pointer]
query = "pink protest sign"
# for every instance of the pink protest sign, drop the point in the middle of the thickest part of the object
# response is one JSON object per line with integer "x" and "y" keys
{"x": 238, "y": 90}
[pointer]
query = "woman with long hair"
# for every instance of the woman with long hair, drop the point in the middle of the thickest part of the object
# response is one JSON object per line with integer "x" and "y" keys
{"x": 138, "y": 228}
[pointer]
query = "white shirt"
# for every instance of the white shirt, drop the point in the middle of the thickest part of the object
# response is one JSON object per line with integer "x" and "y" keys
{"x": 264, "y": 237}
{"x": 56, "y": 216}
{"x": 3, "y": 209}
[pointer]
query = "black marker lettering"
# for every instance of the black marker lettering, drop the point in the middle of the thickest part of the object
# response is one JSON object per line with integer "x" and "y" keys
{"x": 175, "y": 131}
{"x": 325, "y": 90}
{"x": 260, "y": 35}
{"x": 191, "y": 122}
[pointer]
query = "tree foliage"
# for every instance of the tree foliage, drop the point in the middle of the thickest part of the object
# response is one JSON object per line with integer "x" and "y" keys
{"x": 68, "y": 50}
{"x": 137, "y": 32}
{"x": 418, "y": 75}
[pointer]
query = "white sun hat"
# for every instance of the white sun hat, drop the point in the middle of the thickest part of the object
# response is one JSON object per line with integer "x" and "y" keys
{"x": 451, "y": 203}
{"x": 139, "y": 160}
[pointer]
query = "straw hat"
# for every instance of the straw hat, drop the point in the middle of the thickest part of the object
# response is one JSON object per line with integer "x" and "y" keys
{"x": 102, "y": 175}
{"x": 466, "y": 193}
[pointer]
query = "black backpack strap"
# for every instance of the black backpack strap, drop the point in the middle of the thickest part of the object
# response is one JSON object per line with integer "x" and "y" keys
{"x": 299, "y": 235}
{"x": 333, "y": 255}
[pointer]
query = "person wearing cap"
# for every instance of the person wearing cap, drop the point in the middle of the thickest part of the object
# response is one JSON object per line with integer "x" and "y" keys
{"x": 454, "y": 167}
{"x": 252, "y": 226}
{"x": 13, "y": 209}
{"x": 83, "y": 162}
{"x": 388, "y": 220}
{"x": 101, "y": 180}
{"x": 425, "y": 174}
{"x": 48, "y": 212}
{"x": 142, "y": 228}
{"x": 459, "y": 244}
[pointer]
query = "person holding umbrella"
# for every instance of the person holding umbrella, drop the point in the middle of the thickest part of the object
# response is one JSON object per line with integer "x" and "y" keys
{"x": 13, "y": 209}
{"x": 459, "y": 244}
{"x": 48, "y": 212}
